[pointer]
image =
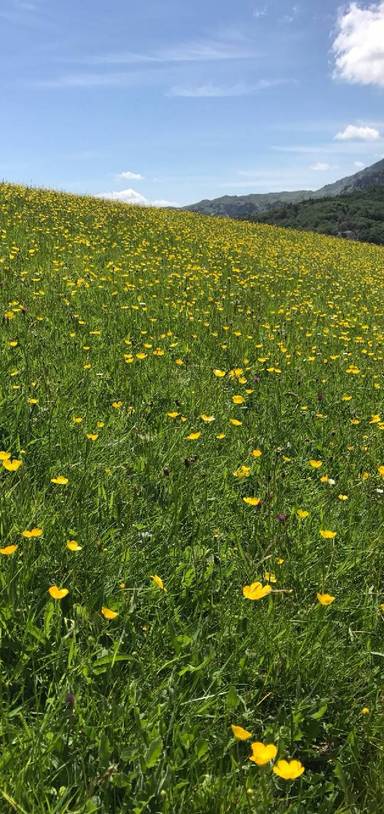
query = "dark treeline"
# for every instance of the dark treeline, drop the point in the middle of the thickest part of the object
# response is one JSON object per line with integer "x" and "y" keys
{"x": 356, "y": 215}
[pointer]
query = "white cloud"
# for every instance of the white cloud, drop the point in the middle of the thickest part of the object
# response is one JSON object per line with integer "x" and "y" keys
{"x": 127, "y": 175}
{"x": 131, "y": 196}
{"x": 353, "y": 133}
{"x": 320, "y": 166}
{"x": 359, "y": 45}
{"x": 126, "y": 195}
{"x": 359, "y": 164}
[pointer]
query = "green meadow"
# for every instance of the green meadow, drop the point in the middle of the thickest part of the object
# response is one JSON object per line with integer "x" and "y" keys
{"x": 192, "y": 526}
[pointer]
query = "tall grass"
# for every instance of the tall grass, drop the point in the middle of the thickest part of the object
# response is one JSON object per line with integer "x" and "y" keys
{"x": 127, "y": 338}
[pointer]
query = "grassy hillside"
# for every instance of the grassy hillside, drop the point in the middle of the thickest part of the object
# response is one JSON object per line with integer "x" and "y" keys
{"x": 189, "y": 406}
{"x": 359, "y": 215}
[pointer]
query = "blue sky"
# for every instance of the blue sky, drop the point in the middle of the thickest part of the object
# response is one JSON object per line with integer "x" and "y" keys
{"x": 196, "y": 99}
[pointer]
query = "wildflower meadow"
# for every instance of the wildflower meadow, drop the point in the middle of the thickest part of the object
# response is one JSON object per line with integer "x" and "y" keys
{"x": 192, "y": 525}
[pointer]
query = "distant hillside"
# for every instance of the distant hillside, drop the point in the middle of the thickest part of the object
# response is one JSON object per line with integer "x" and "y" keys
{"x": 243, "y": 206}
{"x": 248, "y": 206}
{"x": 356, "y": 215}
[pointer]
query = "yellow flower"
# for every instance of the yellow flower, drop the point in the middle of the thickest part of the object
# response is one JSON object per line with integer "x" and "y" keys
{"x": 288, "y": 769}
{"x": 220, "y": 436}
{"x": 100, "y": 424}
{"x": 207, "y": 418}
{"x": 218, "y": 373}
{"x": 324, "y": 479}
{"x": 325, "y": 599}
{"x": 242, "y": 472}
{"x": 12, "y": 465}
{"x": 117, "y": 405}
{"x": 327, "y": 534}
{"x": 353, "y": 369}
{"x": 380, "y": 470}
{"x": 32, "y": 401}
{"x": 256, "y": 453}
{"x": 235, "y": 422}
{"x": 73, "y": 545}
{"x": 256, "y": 591}
{"x": 179, "y": 362}
{"x": 108, "y": 613}
{"x": 315, "y": 464}
{"x": 173, "y": 414}
{"x": 252, "y": 501}
{"x": 4, "y": 456}
{"x": 60, "y": 480}
{"x": 365, "y": 711}
{"x": 92, "y": 436}
{"x": 57, "y": 593}
{"x": 158, "y": 581}
{"x": 8, "y": 550}
{"x": 346, "y": 397}
{"x": 29, "y": 533}
{"x": 263, "y": 753}
{"x": 302, "y": 513}
{"x": 193, "y": 436}
{"x": 77, "y": 419}
{"x": 269, "y": 576}
{"x": 343, "y": 497}
{"x": 239, "y": 733}
{"x": 238, "y": 399}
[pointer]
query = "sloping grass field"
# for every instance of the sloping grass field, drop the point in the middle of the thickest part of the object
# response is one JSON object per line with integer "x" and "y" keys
{"x": 192, "y": 527}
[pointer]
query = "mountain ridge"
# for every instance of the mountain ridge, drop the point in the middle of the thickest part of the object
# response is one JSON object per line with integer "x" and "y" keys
{"x": 244, "y": 206}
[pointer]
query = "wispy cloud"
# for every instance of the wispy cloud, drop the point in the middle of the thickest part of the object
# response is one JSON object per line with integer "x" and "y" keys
{"x": 260, "y": 11}
{"x": 210, "y": 90}
{"x": 343, "y": 147}
{"x": 21, "y": 12}
{"x": 102, "y": 79}
{"x": 270, "y": 180}
{"x": 291, "y": 16}
{"x": 125, "y": 68}
{"x": 204, "y": 50}
{"x": 94, "y": 80}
